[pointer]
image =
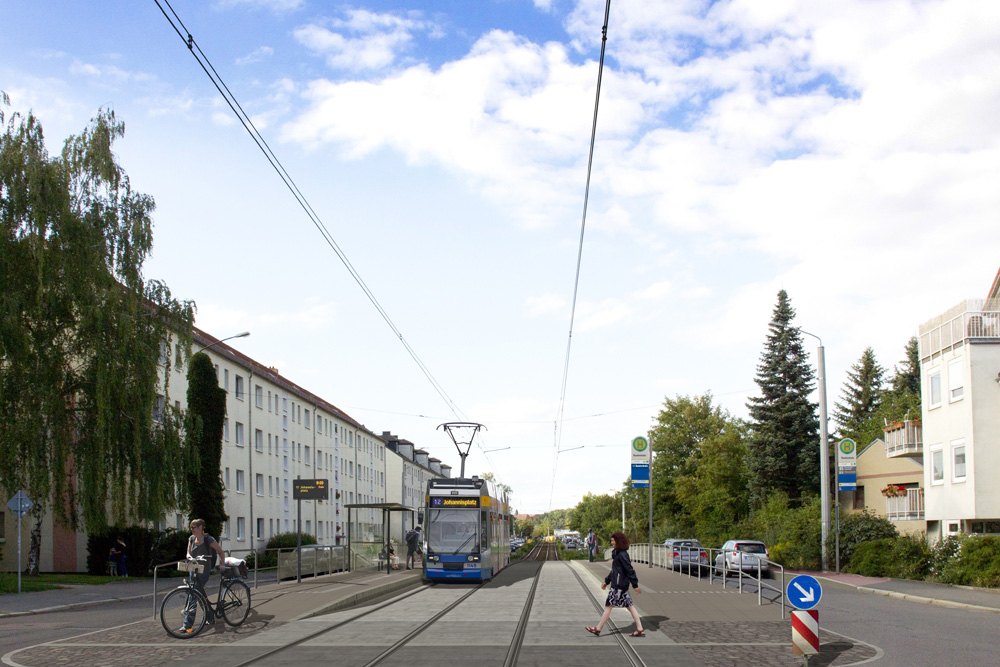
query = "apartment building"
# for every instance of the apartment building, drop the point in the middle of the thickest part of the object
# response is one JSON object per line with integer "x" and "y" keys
{"x": 960, "y": 372}
{"x": 275, "y": 432}
{"x": 412, "y": 469}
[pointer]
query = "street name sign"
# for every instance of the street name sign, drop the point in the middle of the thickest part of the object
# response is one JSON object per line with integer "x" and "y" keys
{"x": 804, "y": 592}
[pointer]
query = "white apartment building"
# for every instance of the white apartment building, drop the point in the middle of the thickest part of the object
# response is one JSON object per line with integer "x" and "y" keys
{"x": 275, "y": 432}
{"x": 410, "y": 469}
{"x": 960, "y": 375}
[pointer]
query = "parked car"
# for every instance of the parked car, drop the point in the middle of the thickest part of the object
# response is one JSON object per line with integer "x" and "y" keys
{"x": 743, "y": 555}
{"x": 684, "y": 554}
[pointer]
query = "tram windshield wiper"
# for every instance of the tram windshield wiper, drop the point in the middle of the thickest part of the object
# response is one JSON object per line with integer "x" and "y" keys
{"x": 462, "y": 546}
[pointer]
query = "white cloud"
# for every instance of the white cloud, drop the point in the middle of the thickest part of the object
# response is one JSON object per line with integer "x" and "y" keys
{"x": 363, "y": 40}
{"x": 256, "y": 56}
{"x": 656, "y": 291}
{"x": 543, "y": 304}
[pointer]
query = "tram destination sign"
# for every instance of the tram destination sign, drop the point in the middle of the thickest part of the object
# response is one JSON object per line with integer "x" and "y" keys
{"x": 311, "y": 489}
{"x": 454, "y": 502}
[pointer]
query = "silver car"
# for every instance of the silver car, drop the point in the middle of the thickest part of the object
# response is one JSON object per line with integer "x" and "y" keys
{"x": 743, "y": 555}
{"x": 685, "y": 554}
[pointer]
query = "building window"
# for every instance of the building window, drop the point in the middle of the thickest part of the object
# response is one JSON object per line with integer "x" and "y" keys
{"x": 307, "y": 419}
{"x": 935, "y": 389}
{"x": 284, "y": 462}
{"x": 177, "y": 356}
{"x": 958, "y": 461}
{"x": 3, "y": 530}
{"x": 239, "y": 388}
{"x": 258, "y": 437}
{"x": 307, "y": 455}
{"x": 260, "y": 484}
{"x": 225, "y": 430}
{"x": 284, "y": 422}
{"x": 956, "y": 382}
{"x": 227, "y": 478}
{"x": 241, "y": 524}
{"x": 991, "y": 527}
{"x": 269, "y": 402}
{"x": 159, "y": 408}
{"x": 270, "y": 488}
{"x": 260, "y": 529}
{"x": 239, "y": 434}
{"x": 225, "y": 529}
{"x": 937, "y": 464}
{"x": 239, "y": 482}
{"x": 225, "y": 379}
{"x": 258, "y": 396}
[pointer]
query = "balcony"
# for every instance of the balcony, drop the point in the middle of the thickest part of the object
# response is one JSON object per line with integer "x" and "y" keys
{"x": 973, "y": 321}
{"x": 909, "y": 507}
{"x": 904, "y": 438}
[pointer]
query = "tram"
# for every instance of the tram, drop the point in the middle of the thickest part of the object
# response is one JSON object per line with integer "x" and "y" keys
{"x": 467, "y": 530}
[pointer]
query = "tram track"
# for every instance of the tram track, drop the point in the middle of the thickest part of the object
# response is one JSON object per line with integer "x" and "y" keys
{"x": 537, "y": 557}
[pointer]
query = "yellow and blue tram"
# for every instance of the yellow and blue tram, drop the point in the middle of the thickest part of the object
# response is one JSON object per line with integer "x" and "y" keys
{"x": 467, "y": 530}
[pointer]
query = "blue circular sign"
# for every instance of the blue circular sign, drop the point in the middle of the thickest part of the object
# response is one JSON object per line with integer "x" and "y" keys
{"x": 804, "y": 592}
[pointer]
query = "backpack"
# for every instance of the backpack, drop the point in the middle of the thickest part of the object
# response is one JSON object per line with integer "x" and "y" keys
{"x": 411, "y": 538}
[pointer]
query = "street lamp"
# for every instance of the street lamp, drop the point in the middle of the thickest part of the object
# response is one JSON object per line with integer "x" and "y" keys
{"x": 222, "y": 340}
{"x": 824, "y": 449}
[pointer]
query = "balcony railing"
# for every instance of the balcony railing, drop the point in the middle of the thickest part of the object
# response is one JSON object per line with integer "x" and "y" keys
{"x": 904, "y": 438}
{"x": 973, "y": 320}
{"x": 906, "y": 508}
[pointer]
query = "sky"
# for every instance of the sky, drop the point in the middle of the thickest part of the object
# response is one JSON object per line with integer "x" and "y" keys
{"x": 845, "y": 152}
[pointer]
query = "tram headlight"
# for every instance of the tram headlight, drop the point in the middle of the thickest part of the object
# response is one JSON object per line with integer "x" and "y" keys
{"x": 472, "y": 558}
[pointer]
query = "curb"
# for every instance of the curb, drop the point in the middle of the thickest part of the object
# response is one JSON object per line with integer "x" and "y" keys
{"x": 934, "y": 601}
{"x": 362, "y": 596}
{"x": 71, "y": 606}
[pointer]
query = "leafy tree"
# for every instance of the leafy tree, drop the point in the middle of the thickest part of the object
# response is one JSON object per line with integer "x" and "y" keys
{"x": 206, "y": 402}
{"x": 782, "y": 452}
{"x": 861, "y": 396}
{"x": 81, "y": 333}
{"x": 683, "y": 424}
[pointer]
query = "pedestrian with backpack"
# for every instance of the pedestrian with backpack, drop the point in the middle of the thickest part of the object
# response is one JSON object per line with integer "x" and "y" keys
{"x": 412, "y": 539}
{"x": 591, "y": 544}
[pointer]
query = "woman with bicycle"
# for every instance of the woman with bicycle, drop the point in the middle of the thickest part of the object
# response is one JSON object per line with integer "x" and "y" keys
{"x": 202, "y": 544}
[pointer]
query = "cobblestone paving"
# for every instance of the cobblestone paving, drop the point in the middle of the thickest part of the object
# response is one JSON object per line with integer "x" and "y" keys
{"x": 739, "y": 644}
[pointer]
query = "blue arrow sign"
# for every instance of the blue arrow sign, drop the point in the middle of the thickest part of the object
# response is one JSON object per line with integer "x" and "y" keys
{"x": 804, "y": 592}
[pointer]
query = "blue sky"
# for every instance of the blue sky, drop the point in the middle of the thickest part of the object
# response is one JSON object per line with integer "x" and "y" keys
{"x": 844, "y": 152}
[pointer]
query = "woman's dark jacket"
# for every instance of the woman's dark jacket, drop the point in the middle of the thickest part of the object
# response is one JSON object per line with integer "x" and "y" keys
{"x": 622, "y": 573}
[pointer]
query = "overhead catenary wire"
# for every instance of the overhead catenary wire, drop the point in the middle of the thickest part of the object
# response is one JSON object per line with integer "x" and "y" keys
{"x": 230, "y": 99}
{"x": 579, "y": 255}
{"x": 303, "y": 202}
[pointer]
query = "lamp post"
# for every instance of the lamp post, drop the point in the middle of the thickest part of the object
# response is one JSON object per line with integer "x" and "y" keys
{"x": 824, "y": 448}
{"x": 222, "y": 340}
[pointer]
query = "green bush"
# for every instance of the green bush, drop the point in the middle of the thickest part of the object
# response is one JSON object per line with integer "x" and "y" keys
{"x": 855, "y": 529}
{"x": 975, "y": 561}
{"x": 280, "y": 541}
{"x": 793, "y": 534}
{"x": 906, "y": 557}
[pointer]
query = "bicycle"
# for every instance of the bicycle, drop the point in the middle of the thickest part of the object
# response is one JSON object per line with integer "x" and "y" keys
{"x": 184, "y": 611}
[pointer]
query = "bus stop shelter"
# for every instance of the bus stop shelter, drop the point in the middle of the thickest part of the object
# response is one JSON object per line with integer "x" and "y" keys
{"x": 387, "y": 509}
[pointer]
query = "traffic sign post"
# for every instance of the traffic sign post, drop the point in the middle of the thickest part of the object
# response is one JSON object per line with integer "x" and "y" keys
{"x": 805, "y": 632}
{"x": 804, "y": 593}
{"x": 642, "y": 476}
{"x": 19, "y": 505}
{"x": 306, "y": 489}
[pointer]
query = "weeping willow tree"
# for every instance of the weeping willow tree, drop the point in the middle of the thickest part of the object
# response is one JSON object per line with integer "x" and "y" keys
{"x": 86, "y": 427}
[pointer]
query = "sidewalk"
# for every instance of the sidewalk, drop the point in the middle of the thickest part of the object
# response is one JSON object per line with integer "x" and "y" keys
{"x": 966, "y": 597}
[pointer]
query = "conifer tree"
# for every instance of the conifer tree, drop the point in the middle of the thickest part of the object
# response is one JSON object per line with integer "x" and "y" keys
{"x": 861, "y": 396}
{"x": 907, "y": 377}
{"x": 206, "y": 402}
{"x": 783, "y": 453}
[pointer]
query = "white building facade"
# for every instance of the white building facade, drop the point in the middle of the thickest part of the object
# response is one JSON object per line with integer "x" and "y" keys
{"x": 960, "y": 375}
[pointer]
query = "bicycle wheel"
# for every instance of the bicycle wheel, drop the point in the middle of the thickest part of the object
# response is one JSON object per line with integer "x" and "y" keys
{"x": 183, "y": 613}
{"x": 236, "y": 603}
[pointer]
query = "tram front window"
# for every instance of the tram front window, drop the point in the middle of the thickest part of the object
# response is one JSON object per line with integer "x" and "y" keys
{"x": 453, "y": 531}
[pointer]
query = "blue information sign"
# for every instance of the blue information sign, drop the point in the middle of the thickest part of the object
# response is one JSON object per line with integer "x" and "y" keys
{"x": 804, "y": 592}
{"x": 640, "y": 475}
{"x": 847, "y": 481}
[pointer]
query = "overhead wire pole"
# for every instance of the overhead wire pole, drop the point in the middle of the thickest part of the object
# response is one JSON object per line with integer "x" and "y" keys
{"x": 251, "y": 129}
{"x": 579, "y": 253}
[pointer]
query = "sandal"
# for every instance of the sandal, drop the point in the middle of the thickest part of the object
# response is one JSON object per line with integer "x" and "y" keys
{"x": 594, "y": 631}
{"x": 638, "y": 633}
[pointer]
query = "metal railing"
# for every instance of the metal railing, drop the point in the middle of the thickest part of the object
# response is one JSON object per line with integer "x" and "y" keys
{"x": 905, "y": 508}
{"x": 317, "y": 560}
{"x": 661, "y": 555}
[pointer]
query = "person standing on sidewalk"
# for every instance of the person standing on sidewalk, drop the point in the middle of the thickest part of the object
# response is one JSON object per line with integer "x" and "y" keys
{"x": 591, "y": 544}
{"x": 412, "y": 547}
{"x": 202, "y": 544}
{"x": 622, "y": 574}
